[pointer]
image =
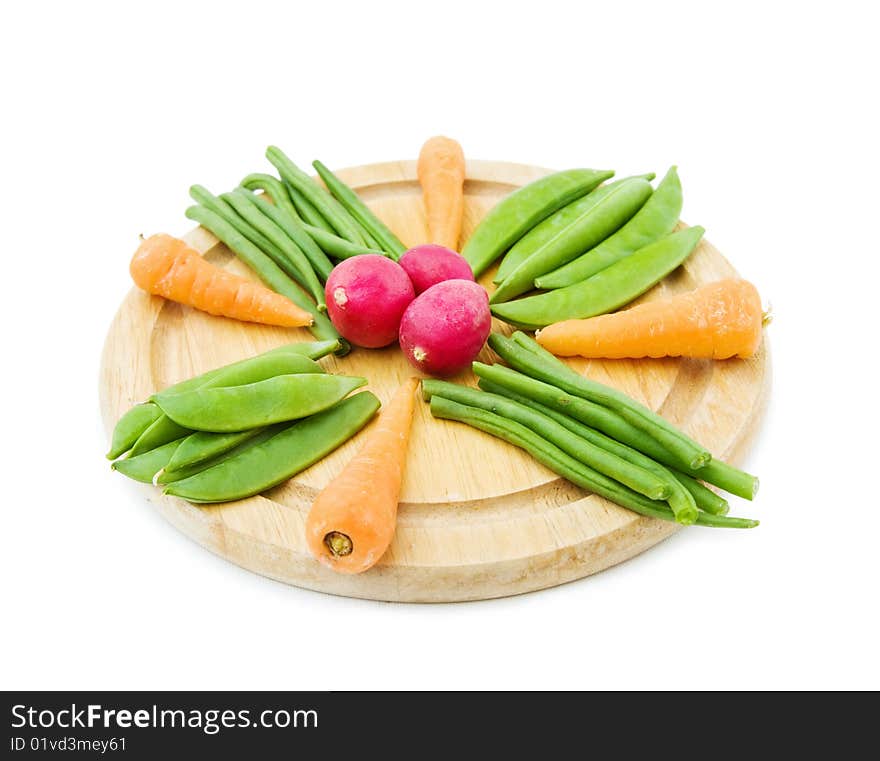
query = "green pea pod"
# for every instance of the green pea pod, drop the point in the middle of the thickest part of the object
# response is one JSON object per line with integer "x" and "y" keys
{"x": 268, "y": 271}
{"x": 162, "y": 431}
{"x": 200, "y": 447}
{"x": 329, "y": 208}
{"x": 514, "y": 215}
{"x": 130, "y": 426}
{"x": 237, "y": 408}
{"x": 274, "y": 189}
{"x": 135, "y": 423}
{"x": 274, "y": 460}
{"x": 337, "y": 247}
{"x": 258, "y": 368}
{"x": 253, "y": 370}
{"x": 608, "y": 289}
{"x": 311, "y": 349}
{"x": 254, "y": 437}
{"x": 655, "y": 220}
{"x": 144, "y": 467}
{"x": 550, "y": 228}
{"x": 611, "y": 207}
{"x": 374, "y": 227}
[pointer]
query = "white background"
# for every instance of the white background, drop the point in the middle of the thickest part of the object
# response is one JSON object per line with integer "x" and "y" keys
{"x": 110, "y": 112}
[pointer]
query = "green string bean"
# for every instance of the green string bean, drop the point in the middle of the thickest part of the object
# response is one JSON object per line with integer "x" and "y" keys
{"x": 329, "y": 208}
{"x": 523, "y": 353}
{"x": 374, "y": 227}
{"x": 267, "y": 227}
{"x": 268, "y": 271}
{"x": 274, "y": 190}
{"x": 294, "y": 230}
{"x": 600, "y": 459}
{"x": 566, "y": 466}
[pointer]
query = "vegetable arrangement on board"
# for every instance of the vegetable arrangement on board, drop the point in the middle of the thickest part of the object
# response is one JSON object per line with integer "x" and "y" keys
{"x": 573, "y": 248}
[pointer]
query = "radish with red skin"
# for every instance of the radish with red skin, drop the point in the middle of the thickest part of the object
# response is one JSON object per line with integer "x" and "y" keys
{"x": 430, "y": 264}
{"x": 366, "y": 297}
{"x": 445, "y": 327}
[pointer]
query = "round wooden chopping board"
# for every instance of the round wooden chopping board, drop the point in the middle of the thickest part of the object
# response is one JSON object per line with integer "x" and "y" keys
{"x": 478, "y": 517}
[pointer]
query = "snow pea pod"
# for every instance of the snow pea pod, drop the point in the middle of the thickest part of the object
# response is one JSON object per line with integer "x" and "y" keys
{"x": 295, "y": 231}
{"x": 162, "y": 431}
{"x": 549, "y": 228}
{"x": 267, "y": 270}
{"x": 519, "y": 212}
{"x": 269, "y": 462}
{"x": 329, "y": 208}
{"x": 612, "y": 206}
{"x": 256, "y": 436}
{"x": 134, "y": 423}
{"x": 130, "y": 426}
{"x": 374, "y": 228}
{"x": 249, "y": 213}
{"x": 608, "y": 289}
{"x": 143, "y": 467}
{"x": 238, "y": 408}
{"x": 274, "y": 189}
{"x": 258, "y": 368}
{"x": 655, "y": 220}
{"x": 201, "y": 446}
{"x": 313, "y": 350}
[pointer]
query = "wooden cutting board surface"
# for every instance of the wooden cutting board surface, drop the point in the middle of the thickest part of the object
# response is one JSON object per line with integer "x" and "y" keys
{"x": 478, "y": 518}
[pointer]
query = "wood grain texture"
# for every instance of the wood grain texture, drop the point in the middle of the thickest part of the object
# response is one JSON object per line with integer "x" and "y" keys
{"x": 478, "y": 518}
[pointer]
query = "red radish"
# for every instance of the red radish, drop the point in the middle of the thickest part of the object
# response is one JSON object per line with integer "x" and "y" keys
{"x": 366, "y": 296}
{"x": 431, "y": 264}
{"x": 446, "y": 326}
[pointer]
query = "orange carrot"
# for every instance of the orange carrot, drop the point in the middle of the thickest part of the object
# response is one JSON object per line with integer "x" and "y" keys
{"x": 716, "y": 321}
{"x": 167, "y": 266}
{"x": 352, "y": 521}
{"x": 441, "y": 174}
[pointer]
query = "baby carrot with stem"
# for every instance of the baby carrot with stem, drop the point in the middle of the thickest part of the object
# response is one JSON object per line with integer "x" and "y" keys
{"x": 716, "y": 321}
{"x": 168, "y": 267}
{"x": 441, "y": 171}
{"x": 352, "y": 521}
{"x": 268, "y": 271}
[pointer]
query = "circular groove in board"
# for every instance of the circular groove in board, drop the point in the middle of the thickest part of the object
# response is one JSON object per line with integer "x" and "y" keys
{"x": 478, "y": 517}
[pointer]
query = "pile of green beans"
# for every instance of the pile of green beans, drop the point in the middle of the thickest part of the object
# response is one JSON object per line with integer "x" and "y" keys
{"x": 588, "y": 254}
{"x": 593, "y": 435}
{"x": 290, "y": 231}
{"x": 240, "y": 429}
